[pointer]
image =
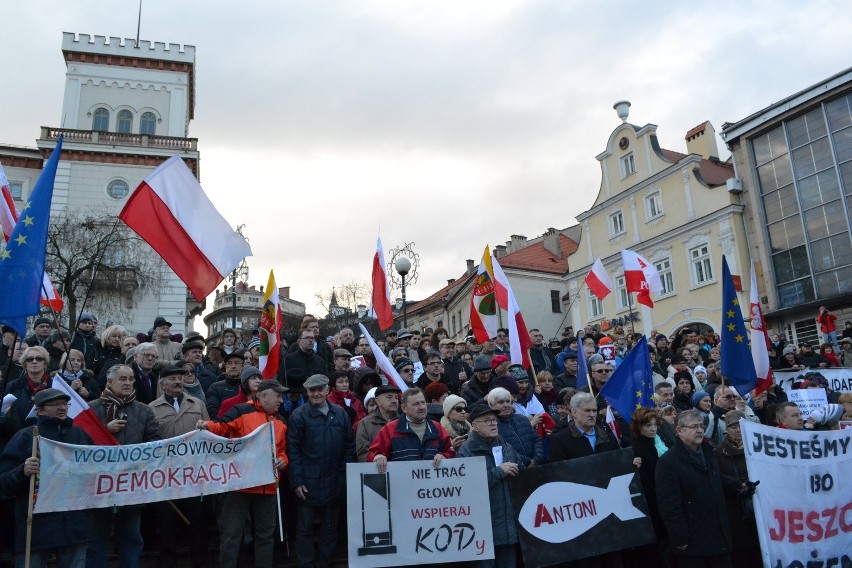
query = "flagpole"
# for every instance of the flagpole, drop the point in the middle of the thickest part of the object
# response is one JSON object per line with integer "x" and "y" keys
{"x": 31, "y": 503}
{"x": 277, "y": 484}
{"x": 571, "y": 305}
{"x": 630, "y": 307}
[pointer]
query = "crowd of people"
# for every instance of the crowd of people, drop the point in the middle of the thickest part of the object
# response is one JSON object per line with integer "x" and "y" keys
{"x": 331, "y": 405}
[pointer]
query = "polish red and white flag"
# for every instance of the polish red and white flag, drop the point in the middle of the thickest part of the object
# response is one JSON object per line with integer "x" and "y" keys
{"x": 598, "y": 280}
{"x": 641, "y": 277}
{"x": 84, "y": 417}
{"x": 759, "y": 339}
{"x": 171, "y": 212}
{"x": 381, "y": 307}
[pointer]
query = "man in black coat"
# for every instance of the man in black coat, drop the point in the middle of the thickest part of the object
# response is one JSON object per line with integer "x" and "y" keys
{"x": 303, "y": 358}
{"x": 691, "y": 499}
{"x": 320, "y": 442}
{"x": 228, "y": 384}
{"x": 541, "y": 357}
{"x": 66, "y": 534}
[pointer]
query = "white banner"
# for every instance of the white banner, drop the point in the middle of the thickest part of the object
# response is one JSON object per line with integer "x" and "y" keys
{"x": 418, "y": 515}
{"x": 838, "y": 379}
{"x": 803, "y": 504}
{"x": 808, "y": 400}
{"x": 197, "y": 463}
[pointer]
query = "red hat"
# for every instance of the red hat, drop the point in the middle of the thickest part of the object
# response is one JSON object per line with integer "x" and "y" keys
{"x": 497, "y": 360}
{"x": 605, "y": 341}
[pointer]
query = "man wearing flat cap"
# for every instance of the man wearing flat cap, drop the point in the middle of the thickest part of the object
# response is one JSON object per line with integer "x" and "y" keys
{"x": 501, "y": 463}
{"x": 66, "y": 534}
{"x": 261, "y": 501}
{"x": 192, "y": 352}
{"x": 178, "y": 413}
{"x": 321, "y": 443}
{"x": 387, "y": 410}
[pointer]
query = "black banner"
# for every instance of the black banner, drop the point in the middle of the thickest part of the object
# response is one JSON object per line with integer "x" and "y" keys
{"x": 580, "y": 508}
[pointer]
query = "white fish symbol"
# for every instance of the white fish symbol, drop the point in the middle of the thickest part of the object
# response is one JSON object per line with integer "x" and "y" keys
{"x": 560, "y": 511}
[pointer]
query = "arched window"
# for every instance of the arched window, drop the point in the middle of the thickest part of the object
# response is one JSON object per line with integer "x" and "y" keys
{"x": 118, "y": 189}
{"x": 124, "y": 123}
{"x": 148, "y": 123}
{"x": 100, "y": 120}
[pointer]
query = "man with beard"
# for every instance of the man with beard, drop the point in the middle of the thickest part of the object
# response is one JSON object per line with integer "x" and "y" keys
{"x": 387, "y": 404}
{"x": 320, "y": 444}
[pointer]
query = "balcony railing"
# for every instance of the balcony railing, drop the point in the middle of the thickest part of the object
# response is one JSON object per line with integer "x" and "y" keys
{"x": 120, "y": 139}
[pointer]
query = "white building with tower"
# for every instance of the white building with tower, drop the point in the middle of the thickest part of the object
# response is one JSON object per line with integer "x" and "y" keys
{"x": 126, "y": 109}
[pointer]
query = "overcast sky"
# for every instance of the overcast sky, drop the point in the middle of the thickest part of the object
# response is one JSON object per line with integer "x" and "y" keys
{"x": 449, "y": 124}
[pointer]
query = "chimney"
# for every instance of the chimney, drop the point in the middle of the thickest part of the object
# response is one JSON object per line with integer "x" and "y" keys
{"x": 284, "y": 292}
{"x": 517, "y": 242}
{"x": 261, "y": 289}
{"x": 701, "y": 140}
{"x": 500, "y": 251}
{"x": 450, "y": 281}
{"x": 471, "y": 269}
{"x": 551, "y": 242}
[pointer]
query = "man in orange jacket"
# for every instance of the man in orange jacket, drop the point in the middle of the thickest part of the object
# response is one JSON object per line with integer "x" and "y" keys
{"x": 241, "y": 421}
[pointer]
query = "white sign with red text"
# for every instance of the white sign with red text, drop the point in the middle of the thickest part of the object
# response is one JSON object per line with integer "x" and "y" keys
{"x": 839, "y": 380}
{"x": 803, "y": 505}
{"x": 197, "y": 463}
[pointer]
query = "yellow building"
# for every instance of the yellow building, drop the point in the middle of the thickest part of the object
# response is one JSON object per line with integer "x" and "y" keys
{"x": 674, "y": 209}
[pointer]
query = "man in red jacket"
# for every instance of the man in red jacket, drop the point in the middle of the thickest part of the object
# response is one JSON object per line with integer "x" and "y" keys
{"x": 827, "y": 327}
{"x": 242, "y": 420}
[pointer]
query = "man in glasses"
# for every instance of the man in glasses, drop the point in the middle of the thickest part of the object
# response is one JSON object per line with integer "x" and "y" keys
{"x": 66, "y": 534}
{"x": 501, "y": 342}
{"x": 484, "y": 441}
{"x": 144, "y": 359}
{"x": 691, "y": 499}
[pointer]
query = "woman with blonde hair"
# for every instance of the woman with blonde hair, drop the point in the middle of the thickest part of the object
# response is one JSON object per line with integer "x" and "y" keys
{"x": 72, "y": 370}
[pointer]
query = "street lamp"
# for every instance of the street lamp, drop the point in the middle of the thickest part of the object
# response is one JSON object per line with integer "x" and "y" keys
{"x": 403, "y": 266}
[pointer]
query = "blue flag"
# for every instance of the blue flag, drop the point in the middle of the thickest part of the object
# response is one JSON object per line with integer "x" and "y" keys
{"x": 582, "y": 369}
{"x": 631, "y": 385}
{"x": 22, "y": 261}
{"x": 737, "y": 364}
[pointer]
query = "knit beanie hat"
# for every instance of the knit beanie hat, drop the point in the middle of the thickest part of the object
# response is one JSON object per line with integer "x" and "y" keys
{"x": 451, "y": 401}
{"x": 696, "y": 398}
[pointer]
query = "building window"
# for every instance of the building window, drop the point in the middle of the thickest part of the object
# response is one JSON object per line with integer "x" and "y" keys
{"x": 628, "y": 165}
{"x": 453, "y": 324}
{"x": 702, "y": 266}
{"x": 124, "y": 122}
{"x": 440, "y": 323}
{"x": 555, "y": 306}
{"x": 653, "y": 205}
{"x": 16, "y": 188}
{"x": 595, "y": 306}
{"x": 664, "y": 267}
{"x": 621, "y": 300}
{"x": 148, "y": 123}
{"x": 616, "y": 223}
{"x": 100, "y": 120}
{"x": 118, "y": 189}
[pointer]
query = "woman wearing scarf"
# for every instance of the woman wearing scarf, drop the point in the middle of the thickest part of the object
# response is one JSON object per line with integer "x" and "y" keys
{"x": 455, "y": 421}
{"x": 33, "y": 380}
{"x": 130, "y": 422}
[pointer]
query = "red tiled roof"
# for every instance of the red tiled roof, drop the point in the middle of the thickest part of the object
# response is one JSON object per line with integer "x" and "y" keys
{"x": 537, "y": 258}
{"x": 714, "y": 173}
{"x": 461, "y": 281}
{"x": 671, "y": 155}
{"x": 695, "y": 131}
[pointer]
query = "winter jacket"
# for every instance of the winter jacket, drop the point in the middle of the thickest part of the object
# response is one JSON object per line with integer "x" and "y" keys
{"x": 49, "y": 530}
{"x": 340, "y": 398}
{"x": 826, "y": 322}
{"x": 732, "y": 467}
{"x": 144, "y": 385}
{"x": 449, "y": 379}
{"x": 570, "y": 443}
{"x": 366, "y": 432}
{"x": 644, "y": 448}
{"x": 691, "y": 501}
{"x": 244, "y": 419}
{"x": 16, "y": 416}
{"x": 104, "y": 356}
{"x": 310, "y": 363}
{"x": 543, "y": 359}
{"x": 473, "y": 390}
{"x": 171, "y": 422}
{"x": 320, "y": 447}
{"x": 141, "y": 425}
{"x": 516, "y": 431}
{"x": 397, "y": 442}
{"x": 219, "y": 392}
{"x": 503, "y": 527}
{"x": 452, "y": 368}
{"x": 87, "y": 343}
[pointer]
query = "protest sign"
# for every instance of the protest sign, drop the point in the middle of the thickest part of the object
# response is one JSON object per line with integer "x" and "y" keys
{"x": 197, "y": 463}
{"x": 803, "y": 505}
{"x": 418, "y": 515}
{"x": 808, "y": 400}
{"x": 838, "y": 379}
{"x": 580, "y": 508}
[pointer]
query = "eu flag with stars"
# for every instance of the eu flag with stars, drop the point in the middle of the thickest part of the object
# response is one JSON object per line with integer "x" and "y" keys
{"x": 631, "y": 385}
{"x": 737, "y": 365}
{"x": 22, "y": 261}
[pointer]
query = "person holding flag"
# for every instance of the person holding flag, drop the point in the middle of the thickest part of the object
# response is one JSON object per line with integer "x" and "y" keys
{"x": 66, "y": 534}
